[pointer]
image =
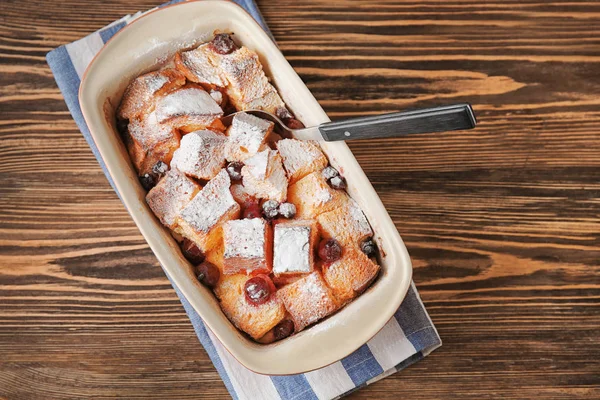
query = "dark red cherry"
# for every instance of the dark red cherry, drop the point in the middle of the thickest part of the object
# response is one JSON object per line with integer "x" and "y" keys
{"x": 223, "y": 44}
{"x": 258, "y": 290}
{"x": 191, "y": 252}
{"x": 330, "y": 250}
{"x": 283, "y": 329}
{"x": 208, "y": 274}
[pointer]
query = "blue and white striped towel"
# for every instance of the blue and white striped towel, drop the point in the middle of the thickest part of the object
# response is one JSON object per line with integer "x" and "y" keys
{"x": 407, "y": 338}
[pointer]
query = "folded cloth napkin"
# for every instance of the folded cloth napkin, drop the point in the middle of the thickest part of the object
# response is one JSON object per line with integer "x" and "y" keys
{"x": 405, "y": 339}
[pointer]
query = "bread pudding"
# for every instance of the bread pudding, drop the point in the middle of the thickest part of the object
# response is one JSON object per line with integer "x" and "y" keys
{"x": 263, "y": 219}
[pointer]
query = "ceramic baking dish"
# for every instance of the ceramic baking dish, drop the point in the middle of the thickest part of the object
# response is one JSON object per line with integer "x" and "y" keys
{"x": 141, "y": 47}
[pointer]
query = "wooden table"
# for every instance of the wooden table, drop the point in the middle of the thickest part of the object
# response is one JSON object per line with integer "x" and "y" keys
{"x": 502, "y": 223}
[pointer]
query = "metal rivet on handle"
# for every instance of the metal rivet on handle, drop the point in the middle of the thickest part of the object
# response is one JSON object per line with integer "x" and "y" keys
{"x": 346, "y": 133}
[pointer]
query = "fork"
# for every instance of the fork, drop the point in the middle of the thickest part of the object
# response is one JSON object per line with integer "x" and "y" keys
{"x": 427, "y": 120}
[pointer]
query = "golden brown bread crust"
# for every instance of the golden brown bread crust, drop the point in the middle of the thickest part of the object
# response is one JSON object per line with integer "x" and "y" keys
{"x": 350, "y": 275}
{"x": 308, "y": 300}
{"x": 313, "y": 196}
{"x": 254, "y": 320}
{"x": 140, "y": 95}
{"x": 149, "y": 142}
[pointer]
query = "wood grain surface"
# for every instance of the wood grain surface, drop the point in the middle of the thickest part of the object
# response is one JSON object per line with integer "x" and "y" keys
{"x": 502, "y": 223}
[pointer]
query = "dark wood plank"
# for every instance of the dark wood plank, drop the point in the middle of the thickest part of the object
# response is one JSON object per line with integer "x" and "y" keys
{"x": 502, "y": 223}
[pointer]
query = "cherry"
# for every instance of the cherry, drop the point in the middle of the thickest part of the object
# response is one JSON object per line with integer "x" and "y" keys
{"x": 252, "y": 210}
{"x": 208, "y": 274}
{"x": 191, "y": 252}
{"x": 330, "y": 250}
{"x": 234, "y": 169}
{"x": 293, "y": 123}
{"x": 283, "y": 329}
{"x": 258, "y": 290}
{"x": 270, "y": 209}
{"x": 223, "y": 44}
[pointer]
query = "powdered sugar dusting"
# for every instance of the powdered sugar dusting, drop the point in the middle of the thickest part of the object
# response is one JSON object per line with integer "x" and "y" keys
{"x": 148, "y": 132}
{"x": 292, "y": 250}
{"x": 200, "y": 154}
{"x": 247, "y": 136}
{"x": 187, "y": 102}
{"x": 264, "y": 176}
{"x": 257, "y": 164}
{"x": 322, "y": 196}
{"x": 255, "y": 320}
{"x": 155, "y": 82}
{"x": 358, "y": 219}
{"x": 210, "y": 204}
{"x": 199, "y": 67}
{"x": 308, "y": 300}
{"x": 245, "y": 238}
{"x": 244, "y": 73}
{"x": 300, "y": 158}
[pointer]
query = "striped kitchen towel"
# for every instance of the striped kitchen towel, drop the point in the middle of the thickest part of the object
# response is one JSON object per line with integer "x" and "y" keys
{"x": 405, "y": 339}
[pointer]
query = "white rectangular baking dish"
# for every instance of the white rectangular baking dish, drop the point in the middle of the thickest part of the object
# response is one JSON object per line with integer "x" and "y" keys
{"x": 139, "y": 48}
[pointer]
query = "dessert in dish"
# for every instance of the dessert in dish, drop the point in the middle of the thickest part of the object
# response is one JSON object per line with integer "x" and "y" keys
{"x": 264, "y": 220}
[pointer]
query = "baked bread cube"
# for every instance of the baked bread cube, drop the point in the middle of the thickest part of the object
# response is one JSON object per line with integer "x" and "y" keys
{"x": 200, "y": 220}
{"x": 248, "y": 87}
{"x": 189, "y": 108}
{"x": 264, "y": 177}
{"x": 283, "y": 280}
{"x": 293, "y": 247}
{"x": 170, "y": 195}
{"x": 248, "y": 246}
{"x": 312, "y": 196}
{"x": 300, "y": 158}
{"x": 201, "y": 154}
{"x": 350, "y": 275}
{"x": 252, "y": 319}
{"x": 247, "y": 136}
{"x": 140, "y": 95}
{"x": 197, "y": 67}
{"x": 346, "y": 224}
{"x": 240, "y": 194}
{"x": 215, "y": 256}
{"x": 308, "y": 300}
{"x": 271, "y": 102}
{"x": 149, "y": 142}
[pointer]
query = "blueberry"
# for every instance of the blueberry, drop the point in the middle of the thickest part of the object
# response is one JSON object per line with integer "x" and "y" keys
{"x": 287, "y": 210}
{"x": 329, "y": 172}
{"x": 148, "y": 181}
{"x": 368, "y": 247}
{"x": 270, "y": 209}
